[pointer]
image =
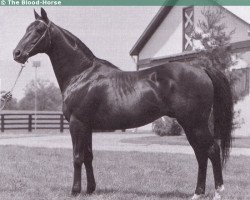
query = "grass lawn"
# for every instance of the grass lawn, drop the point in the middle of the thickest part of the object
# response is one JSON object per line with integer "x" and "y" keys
{"x": 239, "y": 142}
{"x": 46, "y": 174}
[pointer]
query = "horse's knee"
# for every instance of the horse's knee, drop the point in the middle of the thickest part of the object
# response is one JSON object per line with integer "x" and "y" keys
{"x": 77, "y": 162}
{"x": 84, "y": 159}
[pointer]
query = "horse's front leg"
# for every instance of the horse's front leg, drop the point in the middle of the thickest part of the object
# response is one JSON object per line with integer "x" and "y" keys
{"x": 81, "y": 135}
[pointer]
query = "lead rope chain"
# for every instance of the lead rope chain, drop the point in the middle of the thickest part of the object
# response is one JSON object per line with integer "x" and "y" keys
{"x": 11, "y": 90}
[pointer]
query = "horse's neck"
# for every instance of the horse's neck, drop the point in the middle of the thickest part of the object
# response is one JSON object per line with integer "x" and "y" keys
{"x": 68, "y": 56}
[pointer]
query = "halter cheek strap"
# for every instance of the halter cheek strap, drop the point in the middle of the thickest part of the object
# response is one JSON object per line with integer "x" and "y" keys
{"x": 40, "y": 39}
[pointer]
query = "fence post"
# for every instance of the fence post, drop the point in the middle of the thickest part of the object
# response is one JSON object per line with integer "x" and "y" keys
{"x": 2, "y": 122}
{"x": 30, "y": 123}
{"x": 61, "y": 123}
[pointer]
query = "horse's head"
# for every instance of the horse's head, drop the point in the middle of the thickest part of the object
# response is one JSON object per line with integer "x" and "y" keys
{"x": 37, "y": 38}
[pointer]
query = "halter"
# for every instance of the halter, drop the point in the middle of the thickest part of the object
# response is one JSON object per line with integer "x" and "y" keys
{"x": 47, "y": 30}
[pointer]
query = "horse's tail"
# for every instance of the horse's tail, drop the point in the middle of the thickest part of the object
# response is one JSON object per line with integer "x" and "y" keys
{"x": 222, "y": 110}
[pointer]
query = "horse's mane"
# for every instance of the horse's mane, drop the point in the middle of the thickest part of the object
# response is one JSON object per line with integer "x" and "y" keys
{"x": 72, "y": 38}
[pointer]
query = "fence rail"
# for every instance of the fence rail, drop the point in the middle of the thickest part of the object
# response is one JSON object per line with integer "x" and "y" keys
{"x": 31, "y": 121}
{"x": 12, "y": 120}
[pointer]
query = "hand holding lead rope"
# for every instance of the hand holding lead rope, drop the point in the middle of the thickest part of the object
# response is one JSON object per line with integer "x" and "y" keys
{"x": 6, "y": 96}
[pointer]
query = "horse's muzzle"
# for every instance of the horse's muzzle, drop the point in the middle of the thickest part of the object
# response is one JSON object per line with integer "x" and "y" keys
{"x": 19, "y": 56}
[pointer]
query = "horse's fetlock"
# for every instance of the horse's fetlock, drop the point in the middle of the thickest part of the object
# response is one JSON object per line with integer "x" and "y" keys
{"x": 200, "y": 191}
{"x": 76, "y": 189}
{"x": 220, "y": 188}
{"x": 91, "y": 188}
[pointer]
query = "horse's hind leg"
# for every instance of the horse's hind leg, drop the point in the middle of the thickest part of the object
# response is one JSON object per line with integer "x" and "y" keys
{"x": 81, "y": 135}
{"x": 200, "y": 139}
{"x": 214, "y": 156}
{"x": 205, "y": 147}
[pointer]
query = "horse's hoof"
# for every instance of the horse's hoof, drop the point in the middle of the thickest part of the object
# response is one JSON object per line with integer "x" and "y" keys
{"x": 75, "y": 191}
{"x": 218, "y": 191}
{"x": 91, "y": 188}
{"x": 197, "y": 196}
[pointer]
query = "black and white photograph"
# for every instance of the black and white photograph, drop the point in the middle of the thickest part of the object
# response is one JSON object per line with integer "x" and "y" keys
{"x": 136, "y": 102}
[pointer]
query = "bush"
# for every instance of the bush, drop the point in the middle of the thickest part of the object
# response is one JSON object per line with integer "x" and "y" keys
{"x": 48, "y": 96}
{"x": 166, "y": 126}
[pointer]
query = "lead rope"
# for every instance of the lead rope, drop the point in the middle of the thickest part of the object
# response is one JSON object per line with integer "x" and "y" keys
{"x": 11, "y": 90}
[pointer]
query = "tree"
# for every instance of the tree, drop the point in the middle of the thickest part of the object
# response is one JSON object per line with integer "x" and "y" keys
{"x": 11, "y": 105}
{"x": 214, "y": 43}
{"x": 213, "y": 39}
{"x": 48, "y": 96}
{"x": 214, "y": 48}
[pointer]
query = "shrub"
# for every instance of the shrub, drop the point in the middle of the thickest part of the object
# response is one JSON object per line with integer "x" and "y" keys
{"x": 166, "y": 126}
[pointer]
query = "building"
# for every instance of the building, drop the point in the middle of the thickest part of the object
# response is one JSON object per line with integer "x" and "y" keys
{"x": 167, "y": 39}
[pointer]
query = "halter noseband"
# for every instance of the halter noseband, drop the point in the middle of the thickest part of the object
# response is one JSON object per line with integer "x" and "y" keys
{"x": 47, "y": 30}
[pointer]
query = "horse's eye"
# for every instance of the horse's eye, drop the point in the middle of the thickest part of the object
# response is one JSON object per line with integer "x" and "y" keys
{"x": 40, "y": 31}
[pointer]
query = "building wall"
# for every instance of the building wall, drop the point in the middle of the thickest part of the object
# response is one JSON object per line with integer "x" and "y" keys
{"x": 242, "y": 86}
{"x": 167, "y": 39}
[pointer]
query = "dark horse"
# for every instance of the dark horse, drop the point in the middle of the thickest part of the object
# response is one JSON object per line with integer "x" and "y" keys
{"x": 98, "y": 95}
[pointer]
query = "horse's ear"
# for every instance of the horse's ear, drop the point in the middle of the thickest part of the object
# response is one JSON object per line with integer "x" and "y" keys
{"x": 44, "y": 15}
{"x": 36, "y": 15}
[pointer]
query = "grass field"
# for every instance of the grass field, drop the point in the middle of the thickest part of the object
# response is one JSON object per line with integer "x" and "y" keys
{"x": 46, "y": 174}
{"x": 239, "y": 142}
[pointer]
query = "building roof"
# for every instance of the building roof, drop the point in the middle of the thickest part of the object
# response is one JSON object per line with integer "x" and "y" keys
{"x": 151, "y": 28}
{"x": 165, "y": 10}
{"x": 241, "y": 12}
{"x": 189, "y": 55}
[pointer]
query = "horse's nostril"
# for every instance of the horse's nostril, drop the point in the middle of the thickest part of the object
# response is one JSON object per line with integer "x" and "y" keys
{"x": 17, "y": 53}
